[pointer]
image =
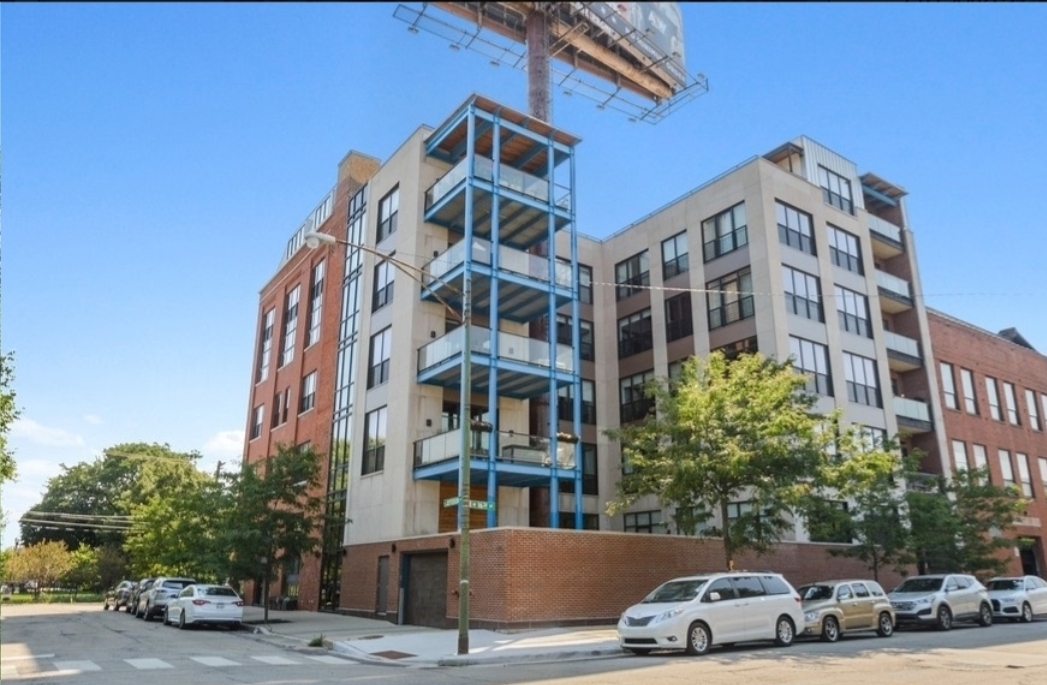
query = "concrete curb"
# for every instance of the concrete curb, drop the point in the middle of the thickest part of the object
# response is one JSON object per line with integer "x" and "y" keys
{"x": 348, "y": 650}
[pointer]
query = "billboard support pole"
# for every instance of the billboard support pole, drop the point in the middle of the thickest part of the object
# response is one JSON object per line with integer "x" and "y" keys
{"x": 538, "y": 96}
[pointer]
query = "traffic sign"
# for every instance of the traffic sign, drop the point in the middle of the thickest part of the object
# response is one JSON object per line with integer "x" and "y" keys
{"x": 452, "y": 501}
{"x": 481, "y": 504}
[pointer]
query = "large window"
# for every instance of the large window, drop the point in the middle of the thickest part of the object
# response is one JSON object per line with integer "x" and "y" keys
{"x": 381, "y": 351}
{"x": 725, "y": 232}
{"x": 587, "y": 347}
{"x": 257, "y": 417}
{"x": 634, "y": 403}
{"x": 631, "y": 275}
{"x": 836, "y": 190}
{"x": 1024, "y": 477}
{"x": 634, "y": 333}
{"x": 384, "y": 280}
{"x": 585, "y": 283}
{"x": 644, "y": 522}
{"x": 316, "y": 301}
{"x": 674, "y": 256}
{"x": 1034, "y": 412}
{"x": 308, "y": 400}
{"x": 281, "y": 407}
{"x": 590, "y": 484}
{"x": 374, "y": 441}
{"x": 812, "y": 359}
{"x": 863, "y": 386}
{"x": 1042, "y": 461}
{"x": 1012, "y": 403}
{"x": 794, "y": 228}
{"x": 959, "y": 455}
{"x": 290, "y": 325}
{"x": 949, "y": 386}
{"x": 981, "y": 458}
{"x": 853, "y": 311}
{"x": 803, "y": 294}
{"x": 730, "y": 298}
{"x": 845, "y": 250}
{"x": 994, "y": 398}
{"x": 678, "y": 321}
{"x": 1006, "y": 469}
{"x": 388, "y": 209}
{"x": 565, "y": 402}
{"x": 744, "y": 346}
{"x": 266, "y": 352}
{"x": 970, "y": 401}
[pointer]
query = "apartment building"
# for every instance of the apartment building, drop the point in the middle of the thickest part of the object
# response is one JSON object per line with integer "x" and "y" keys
{"x": 994, "y": 403}
{"x": 793, "y": 253}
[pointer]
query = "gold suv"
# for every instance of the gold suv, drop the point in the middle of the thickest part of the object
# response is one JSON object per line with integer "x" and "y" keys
{"x": 834, "y": 607}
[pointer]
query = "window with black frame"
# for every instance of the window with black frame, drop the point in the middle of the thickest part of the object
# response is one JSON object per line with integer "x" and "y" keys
{"x": 632, "y": 275}
{"x": 674, "y": 256}
{"x": 794, "y": 228}
{"x": 635, "y": 334}
{"x": 678, "y": 320}
{"x": 803, "y": 294}
{"x": 724, "y": 233}
{"x": 730, "y": 298}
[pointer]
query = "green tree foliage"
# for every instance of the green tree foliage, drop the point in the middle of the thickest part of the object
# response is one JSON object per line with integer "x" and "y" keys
{"x": 727, "y": 431}
{"x": 8, "y": 413}
{"x": 84, "y": 572}
{"x": 45, "y": 563}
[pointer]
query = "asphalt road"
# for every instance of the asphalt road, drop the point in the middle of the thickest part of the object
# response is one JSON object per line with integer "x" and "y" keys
{"x": 82, "y": 645}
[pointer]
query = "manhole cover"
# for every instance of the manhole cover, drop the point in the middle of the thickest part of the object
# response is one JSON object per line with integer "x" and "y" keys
{"x": 393, "y": 654}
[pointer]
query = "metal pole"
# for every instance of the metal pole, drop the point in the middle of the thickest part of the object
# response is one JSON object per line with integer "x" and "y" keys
{"x": 465, "y": 463}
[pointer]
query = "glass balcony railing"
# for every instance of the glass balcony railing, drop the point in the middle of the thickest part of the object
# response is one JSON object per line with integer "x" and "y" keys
{"x": 512, "y": 448}
{"x": 508, "y": 177}
{"x": 901, "y": 343}
{"x": 510, "y": 346}
{"x": 885, "y": 228}
{"x": 912, "y": 409}
{"x": 896, "y": 285}
{"x": 509, "y": 259}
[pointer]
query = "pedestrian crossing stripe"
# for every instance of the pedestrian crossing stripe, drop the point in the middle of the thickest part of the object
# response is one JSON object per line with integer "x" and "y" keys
{"x": 73, "y": 667}
{"x": 214, "y": 661}
{"x": 148, "y": 664}
{"x": 326, "y": 659}
{"x": 276, "y": 660}
{"x": 80, "y": 666}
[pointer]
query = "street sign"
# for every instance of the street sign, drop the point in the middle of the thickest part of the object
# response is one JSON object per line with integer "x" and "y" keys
{"x": 452, "y": 501}
{"x": 470, "y": 503}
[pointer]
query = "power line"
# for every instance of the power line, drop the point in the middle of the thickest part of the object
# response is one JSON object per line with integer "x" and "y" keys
{"x": 63, "y": 514}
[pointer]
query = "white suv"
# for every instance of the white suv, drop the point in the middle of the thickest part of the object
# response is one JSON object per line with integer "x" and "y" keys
{"x": 940, "y": 601}
{"x": 697, "y": 612}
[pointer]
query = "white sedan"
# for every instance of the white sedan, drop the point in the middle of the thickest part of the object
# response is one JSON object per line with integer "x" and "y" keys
{"x": 201, "y": 604}
{"x": 1020, "y": 597}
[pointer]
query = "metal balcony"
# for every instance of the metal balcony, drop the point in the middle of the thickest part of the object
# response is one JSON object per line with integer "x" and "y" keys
{"x": 913, "y": 415}
{"x": 895, "y": 293}
{"x": 903, "y": 353}
{"x": 522, "y": 460}
{"x": 888, "y": 240}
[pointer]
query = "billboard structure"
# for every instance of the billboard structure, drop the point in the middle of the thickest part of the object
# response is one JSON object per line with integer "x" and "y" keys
{"x": 628, "y": 56}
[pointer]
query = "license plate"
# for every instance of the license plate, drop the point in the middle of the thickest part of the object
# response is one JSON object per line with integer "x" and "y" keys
{"x": 221, "y": 606}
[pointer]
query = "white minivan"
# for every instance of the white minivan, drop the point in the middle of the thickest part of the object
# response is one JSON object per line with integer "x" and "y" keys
{"x": 697, "y": 612}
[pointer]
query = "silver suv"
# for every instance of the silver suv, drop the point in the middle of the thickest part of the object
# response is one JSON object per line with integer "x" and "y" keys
{"x": 153, "y": 602}
{"x": 941, "y": 600}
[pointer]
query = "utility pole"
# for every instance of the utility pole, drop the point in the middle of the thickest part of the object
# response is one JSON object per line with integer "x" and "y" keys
{"x": 466, "y": 466}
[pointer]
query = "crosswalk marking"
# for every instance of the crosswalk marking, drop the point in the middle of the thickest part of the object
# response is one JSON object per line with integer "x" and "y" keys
{"x": 277, "y": 660}
{"x": 81, "y": 666}
{"x": 7, "y": 671}
{"x": 326, "y": 659}
{"x": 215, "y": 661}
{"x": 148, "y": 664}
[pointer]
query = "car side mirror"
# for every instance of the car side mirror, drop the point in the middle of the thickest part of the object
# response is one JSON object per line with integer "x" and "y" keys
{"x": 714, "y": 596}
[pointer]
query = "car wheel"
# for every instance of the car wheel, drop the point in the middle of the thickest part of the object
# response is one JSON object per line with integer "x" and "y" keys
{"x": 830, "y": 629}
{"x": 885, "y": 626}
{"x": 944, "y": 618}
{"x": 167, "y": 617}
{"x": 639, "y": 652}
{"x": 699, "y": 639}
{"x": 138, "y": 611}
{"x": 148, "y": 613}
{"x": 1026, "y": 613}
{"x": 181, "y": 620}
{"x": 105, "y": 605}
{"x": 985, "y": 616}
{"x": 784, "y": 631}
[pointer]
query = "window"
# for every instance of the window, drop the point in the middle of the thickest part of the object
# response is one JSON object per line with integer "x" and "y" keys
{"x": 587, "y": 347}
{"x": 994, "y": 398}
{"x": 1023, "y": 474}
{"x": 862, "y": 384}
{"x": 281, "y": 407}
{"x": 948, "y": 386}
{"x": 736, "y": 510}
{"x": 381, "y": 350}
{"x": 631, "y": 274}
{"x": 722, "y": 587}
{"x": 794, "y": 228}
{"x": 267, "y": 346}
{"x": 836, "y": 190}
{"x": 970, "y": 402}
{"x": 374, "y": 441}
{"x": 634, "y": 333}
{"x": 384, "y": 275}
{"x": 308, "y": 393}
{"x": 730, "y": 298}
{"x": 674, "y": 256}
{"x": 853, "y": 310}
{"x": 678, "y": 322}
{"x": 1006, "y": 470}
{"x": 565, "y": 402}
{"x": 1043, "y": 472}
{"x": 871, "y": 438}
{"x": 290, "y": 325}
{"x": 585, "y": 283}
{"x": 590, "y": 481}
{"x": 803, "y": 294}
{"x": 644, "y": 522}
{"x": 1012, "y": 404}
{"x": 959, "y": 455}
{"x": 981, "y": 459}
{"x": 748, "y": 586}
{"x": 388, "y": 208}
{"x": 845, "y": 250}
{"x": 724, "y": 233}
{"x": 743, "y": 346}
{"x": 634, "y": 403}
{"x": 1034, "y": 413}
{"x": 829, "y": 526}
{"x": 812, "y": 359}
{"x": 257, "y": 416}
{"x": 316, "y": 301}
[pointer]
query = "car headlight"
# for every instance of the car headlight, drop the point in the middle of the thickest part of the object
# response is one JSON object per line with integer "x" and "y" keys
{"x": 925, "y": 601}
{"x": 812, "y": 615}
{"x": 666, "y": 615}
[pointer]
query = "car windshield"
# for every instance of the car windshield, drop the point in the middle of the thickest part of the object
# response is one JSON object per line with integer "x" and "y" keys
{"x": 676, "y": 591}
{"x": 1005, "y": 584}
{"x": 220, "y": 592}
{"x": 815, "y": 592}
{"x": 177, "y": 584}
{"x": 920, "y": 585}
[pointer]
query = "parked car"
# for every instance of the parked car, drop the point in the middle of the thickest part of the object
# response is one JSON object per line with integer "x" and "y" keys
{"x": 1018, "y": 598}
{"x": 153, "y": 601}
{"x": 203, "y": 604}
{"x": 941, "y": 600}
{"x": 835, "y": 607}
{"x": 132, "y": 604}
{"x": 119, "y": 595}
{"x": 697, "y": 612}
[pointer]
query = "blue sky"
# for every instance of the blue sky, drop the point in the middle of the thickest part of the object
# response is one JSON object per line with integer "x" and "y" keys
{"x": 156, "y": 158}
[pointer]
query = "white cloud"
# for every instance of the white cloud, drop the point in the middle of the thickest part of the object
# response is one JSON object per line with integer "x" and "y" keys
{"x": 93, "y": 419}
{"x": 225, "y": 444}
{"x": 38, "y": 434}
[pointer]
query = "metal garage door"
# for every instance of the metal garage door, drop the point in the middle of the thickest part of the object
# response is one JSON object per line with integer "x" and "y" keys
{"x": 426, "y": 590}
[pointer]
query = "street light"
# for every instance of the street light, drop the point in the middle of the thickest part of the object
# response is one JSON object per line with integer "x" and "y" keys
{"x": 314, "y": 240}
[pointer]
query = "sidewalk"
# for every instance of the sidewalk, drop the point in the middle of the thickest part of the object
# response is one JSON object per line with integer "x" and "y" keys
{"x": 374, "y": 641}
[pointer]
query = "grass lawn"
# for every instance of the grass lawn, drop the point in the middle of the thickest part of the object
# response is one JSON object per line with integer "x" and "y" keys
{"x": 54, "y": 597}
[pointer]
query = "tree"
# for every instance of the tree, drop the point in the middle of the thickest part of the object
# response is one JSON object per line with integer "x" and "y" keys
{"x": 8, "y": 413}
{"x": 727, "y": 431}
{"x": 45, "y": 563}
{"x": 84, "y": 572}
{"x": 273, "y": 520}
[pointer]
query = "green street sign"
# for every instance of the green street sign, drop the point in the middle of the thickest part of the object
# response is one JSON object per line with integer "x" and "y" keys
{"x": 481, "y": 504}
{"x": 452, "y": 501}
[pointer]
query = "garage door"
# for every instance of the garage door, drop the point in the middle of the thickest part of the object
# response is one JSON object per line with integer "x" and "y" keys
{"x": 426, "y": 591}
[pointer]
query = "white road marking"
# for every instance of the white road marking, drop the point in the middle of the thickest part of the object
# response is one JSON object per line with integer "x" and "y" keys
{"x": 148, "y": 664}
{"x": 80, "y": 666}
{"x": 214, "y": 661}
{"x": 7, "y": 671}
{"x": 277, "y": 660}
{"x": 327, "y": 659}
